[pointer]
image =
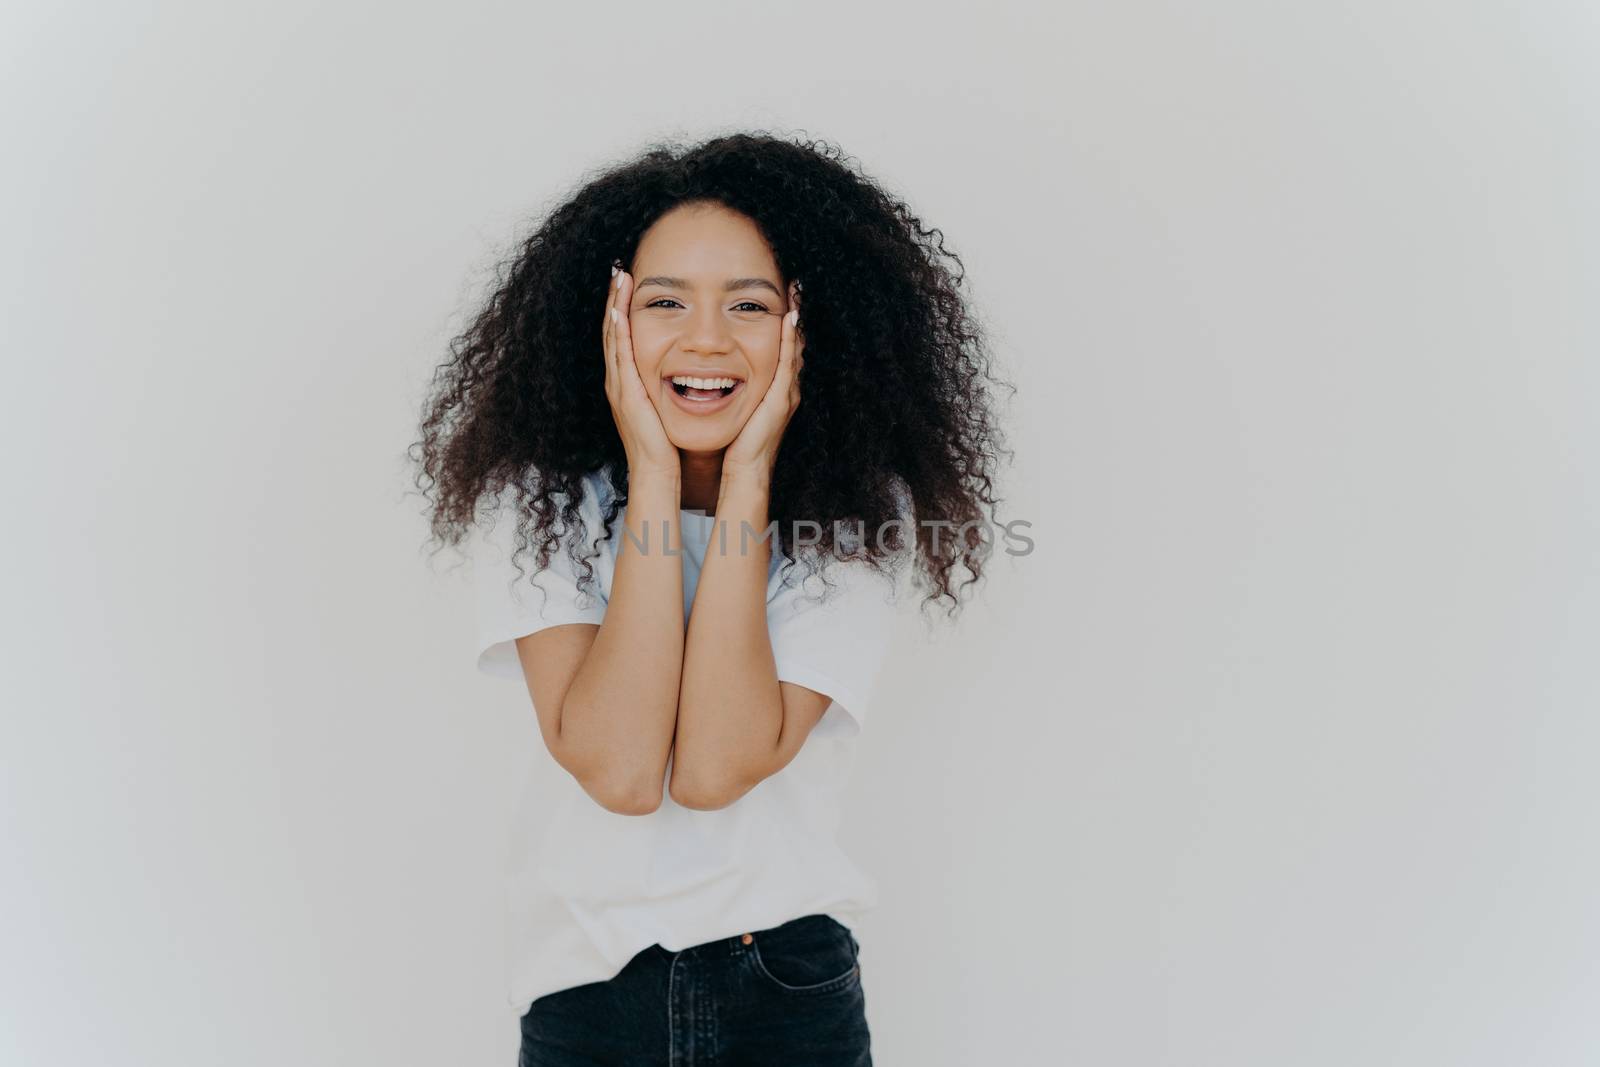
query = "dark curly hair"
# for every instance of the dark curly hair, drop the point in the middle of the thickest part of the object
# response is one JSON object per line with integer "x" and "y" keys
{"x": 895, "y": 420}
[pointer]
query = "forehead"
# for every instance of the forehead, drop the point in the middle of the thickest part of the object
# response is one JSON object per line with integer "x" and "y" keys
{"x": 704, "y": 244}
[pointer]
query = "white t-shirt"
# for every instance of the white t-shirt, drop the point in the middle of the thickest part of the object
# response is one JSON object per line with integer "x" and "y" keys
{"x": 588, "y": 888}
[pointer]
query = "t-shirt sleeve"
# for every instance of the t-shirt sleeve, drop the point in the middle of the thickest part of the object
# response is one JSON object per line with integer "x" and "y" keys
{"x": 510, "y": 604}
{"x": 835, "y": 645}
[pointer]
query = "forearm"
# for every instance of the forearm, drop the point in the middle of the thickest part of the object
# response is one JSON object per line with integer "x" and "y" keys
{"x": 616, "y": 723}
{"x": 730, "y": 710}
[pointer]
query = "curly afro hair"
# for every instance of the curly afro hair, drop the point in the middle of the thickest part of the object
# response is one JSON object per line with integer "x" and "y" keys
{"x": 894, "y": 429}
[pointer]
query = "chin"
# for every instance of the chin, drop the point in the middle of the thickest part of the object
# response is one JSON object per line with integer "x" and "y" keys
{"x": 699, "y": 439}
{"x": 708, "y": 433}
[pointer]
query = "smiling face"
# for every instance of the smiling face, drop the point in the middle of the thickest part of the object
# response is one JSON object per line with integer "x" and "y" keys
{"x": 708, "y": 303}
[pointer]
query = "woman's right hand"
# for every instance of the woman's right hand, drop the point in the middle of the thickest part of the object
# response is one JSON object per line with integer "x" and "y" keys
{"x": 644, "y": 439}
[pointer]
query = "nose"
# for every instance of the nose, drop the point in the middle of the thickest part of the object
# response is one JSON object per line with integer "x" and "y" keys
{"x": 706, "y": 331}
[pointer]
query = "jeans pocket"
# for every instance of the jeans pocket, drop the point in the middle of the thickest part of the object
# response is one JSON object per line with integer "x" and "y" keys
{"x": 809, "y": 955}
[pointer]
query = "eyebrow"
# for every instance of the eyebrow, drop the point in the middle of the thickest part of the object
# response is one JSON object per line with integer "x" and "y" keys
{"x": 727, "y": 287}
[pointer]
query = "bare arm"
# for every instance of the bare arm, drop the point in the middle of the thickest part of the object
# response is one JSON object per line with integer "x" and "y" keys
{"x": 736, "y": 722}
{"x": 611, "y": 716}
{"x": 607, "y": 695}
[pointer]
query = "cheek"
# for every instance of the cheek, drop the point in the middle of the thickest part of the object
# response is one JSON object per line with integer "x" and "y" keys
{"x": 766, "y": 368}
{"x": 647, "y": 350}
{"x": 764, "y": 358}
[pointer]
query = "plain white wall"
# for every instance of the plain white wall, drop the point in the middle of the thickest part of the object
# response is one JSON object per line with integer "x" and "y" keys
{"x": 1277, "y": 749}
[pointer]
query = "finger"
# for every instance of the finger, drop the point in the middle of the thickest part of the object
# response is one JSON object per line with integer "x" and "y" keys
{"x": 796, "y": 348}
{"x": 625, "y": 363}
{"x": 614, "y": 308}
{"x": 606, "y": 345}
{"x": 786, "y": 377}
{"x": 791, "y": 332}
{"x": 611, "y": 299}
{"x": 799, "y": 338}
{"x": 613, "y": 347}
{"x": 624, "y": 330}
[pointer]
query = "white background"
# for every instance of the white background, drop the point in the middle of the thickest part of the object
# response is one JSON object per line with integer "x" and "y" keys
{"x": 1280, "y": 746}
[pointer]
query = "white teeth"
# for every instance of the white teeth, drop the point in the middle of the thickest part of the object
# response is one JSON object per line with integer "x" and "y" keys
{"x": 705, "y": 383}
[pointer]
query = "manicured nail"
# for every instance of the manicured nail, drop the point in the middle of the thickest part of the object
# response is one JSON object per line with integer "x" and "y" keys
{"x": 614, "y": 316}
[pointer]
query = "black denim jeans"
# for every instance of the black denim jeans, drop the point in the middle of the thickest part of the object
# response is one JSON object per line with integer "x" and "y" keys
{"x": 789, "y": 995}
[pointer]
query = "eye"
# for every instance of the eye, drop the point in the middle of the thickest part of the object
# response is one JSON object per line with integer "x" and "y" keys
{"x": 750, "y": 304}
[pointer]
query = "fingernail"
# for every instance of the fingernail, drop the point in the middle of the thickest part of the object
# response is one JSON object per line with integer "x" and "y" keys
{"x": 619, "y": 279}
{"x": 614, "y": 316}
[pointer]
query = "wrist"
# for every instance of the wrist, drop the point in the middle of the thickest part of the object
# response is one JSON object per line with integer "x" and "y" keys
{"x": 746, "y": 478}
{"x": 743, "y": 511}
{"x": 650, "y": 478}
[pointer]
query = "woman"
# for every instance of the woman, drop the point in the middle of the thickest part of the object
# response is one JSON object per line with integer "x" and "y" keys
{"x": 777, "y": 369}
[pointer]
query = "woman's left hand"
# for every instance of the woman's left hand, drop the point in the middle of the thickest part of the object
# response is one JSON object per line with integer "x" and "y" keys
{"x": 755, "y": 449}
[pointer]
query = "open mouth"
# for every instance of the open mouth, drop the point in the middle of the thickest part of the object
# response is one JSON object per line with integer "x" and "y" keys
{"x": 704, "y": 389}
